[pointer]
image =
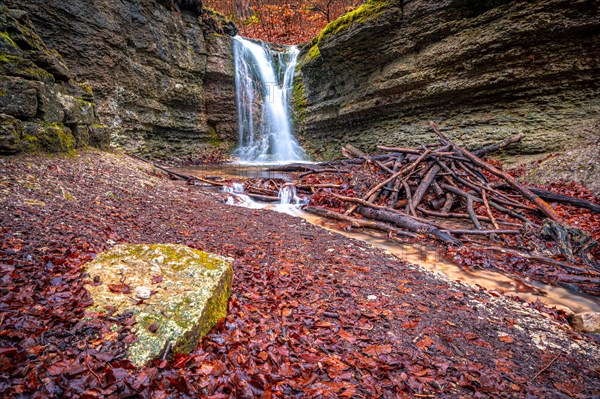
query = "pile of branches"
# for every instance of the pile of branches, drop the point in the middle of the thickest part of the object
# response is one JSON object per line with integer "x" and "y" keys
{"x": 451, "y": 194}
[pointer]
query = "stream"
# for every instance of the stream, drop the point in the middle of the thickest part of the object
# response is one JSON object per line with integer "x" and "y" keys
{"x": 427, "y": 256}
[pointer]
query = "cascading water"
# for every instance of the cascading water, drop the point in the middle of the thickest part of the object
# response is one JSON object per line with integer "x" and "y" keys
{"x": 264, "y": 83}
{"x": 289, "y": 196}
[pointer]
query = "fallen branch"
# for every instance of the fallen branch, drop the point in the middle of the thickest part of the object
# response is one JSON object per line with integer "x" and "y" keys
{"x": 409, "y": 223}
{"x": 565, "y": 199}
{"x": 483, "y": 151}
{"x": 358, "y": 222}
{"x": 540, "y": 203}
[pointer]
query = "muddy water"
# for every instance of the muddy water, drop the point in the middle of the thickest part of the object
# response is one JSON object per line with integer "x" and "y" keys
{"x": 428, "y": 257}
{"x": 236, "y": 171}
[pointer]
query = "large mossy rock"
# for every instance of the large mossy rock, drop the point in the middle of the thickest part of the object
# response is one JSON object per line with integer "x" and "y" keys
{"x": 177, "y": 294}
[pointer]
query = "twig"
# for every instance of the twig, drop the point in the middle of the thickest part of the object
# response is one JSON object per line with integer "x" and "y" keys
{"x": 85, "y": 361}
{"x": 166, "y": 353}
{"x": 487, "y": 209}
{"x": 545, "y": 368}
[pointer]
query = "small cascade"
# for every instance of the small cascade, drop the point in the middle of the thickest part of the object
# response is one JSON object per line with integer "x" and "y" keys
{"x": 264, "y": 81}
{"x": 288, "y": 198}
{"x": 238, "y": 197}
{"x": 288, "y": 195}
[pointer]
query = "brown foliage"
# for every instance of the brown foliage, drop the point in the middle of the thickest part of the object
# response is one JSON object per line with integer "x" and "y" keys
{"x": 282, "y": 21}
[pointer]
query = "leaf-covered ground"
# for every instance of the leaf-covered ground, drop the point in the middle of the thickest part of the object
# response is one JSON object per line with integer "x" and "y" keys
{"x": 313, "y": 314}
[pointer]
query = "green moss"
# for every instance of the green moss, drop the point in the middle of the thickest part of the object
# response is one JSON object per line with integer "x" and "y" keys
{"x": 214, "y": 140}
{"x": 87, "y": 89}
{"x": 369, "y": 10}
{"x": 38, "y": 74}
{"x": 51, "y": 137}
{"x": 17, "y": 66}
{"x": 6, "y": 58}
{"x": 7, "y": 39}
{"x": 175, "y": 254}
{"x": 365, "y": 12}
{"x": 313, "y": 53}
{"x": 300, "y": 101}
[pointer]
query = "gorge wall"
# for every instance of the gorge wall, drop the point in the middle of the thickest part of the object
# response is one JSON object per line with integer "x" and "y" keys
{"x": 162, "y": 78}
{"x": 42, "y": 108}
{"x": 484, "y": 70}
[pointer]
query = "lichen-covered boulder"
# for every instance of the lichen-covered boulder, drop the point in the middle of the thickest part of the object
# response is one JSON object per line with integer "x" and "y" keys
{"x": 587, "y": 322}
{"x": 177, "y": 294}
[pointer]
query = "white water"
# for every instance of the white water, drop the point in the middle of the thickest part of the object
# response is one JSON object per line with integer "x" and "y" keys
{"x": 238, "y": 197}
{"x": 265, "y": 82}
{"x": 288, "y": 195}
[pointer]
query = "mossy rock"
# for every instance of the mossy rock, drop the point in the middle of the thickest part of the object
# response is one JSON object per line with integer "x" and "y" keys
{"x": 10, "y": 133}
{"x": 367, "y": 11}
{"x": 183, "y": 307}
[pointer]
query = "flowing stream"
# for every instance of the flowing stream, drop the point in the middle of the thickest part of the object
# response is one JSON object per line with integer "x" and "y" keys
{"x": 429, "y": 257}
{"x": 426, "y": 256}
{"x": 264, "y": 82}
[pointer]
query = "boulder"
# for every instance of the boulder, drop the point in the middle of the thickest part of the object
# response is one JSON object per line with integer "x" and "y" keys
{"x": 586, "y": 322}
{"x": 18, "y": 97}
{"x": 177, "y": 294}
{"x": 9, "y": 134}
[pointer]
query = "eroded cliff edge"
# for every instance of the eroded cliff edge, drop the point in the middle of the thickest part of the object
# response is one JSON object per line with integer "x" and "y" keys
{"x": 487, "y": 70}
{"x": 163, "y": 79}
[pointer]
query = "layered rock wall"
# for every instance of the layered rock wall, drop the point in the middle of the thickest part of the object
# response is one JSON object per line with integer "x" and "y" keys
{"x": 163, "y": 79}
{"x": 42, "y": 109}
{"x": 486, "y": 70}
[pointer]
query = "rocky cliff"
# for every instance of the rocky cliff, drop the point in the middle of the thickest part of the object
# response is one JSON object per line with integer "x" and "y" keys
{"x": 484, "y": 69}
{"x": 41, "y": 107}
{"x": 163, "y": 78}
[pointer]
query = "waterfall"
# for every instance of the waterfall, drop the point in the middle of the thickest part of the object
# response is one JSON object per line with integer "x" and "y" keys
{"x": 263, "y": 84}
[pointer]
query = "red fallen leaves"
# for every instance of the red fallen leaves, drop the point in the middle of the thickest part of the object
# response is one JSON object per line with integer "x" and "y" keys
{"x": 424, "y": 343}
{"x": 276, "y": 342}
{"x": 507, "y": 338}
{"x": 8, "y": 351}
{"x": 375, "y": 350}
{"x": 119, "y": 288}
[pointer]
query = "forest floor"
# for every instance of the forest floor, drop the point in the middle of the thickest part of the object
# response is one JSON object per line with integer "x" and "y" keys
{"x": 312, "y": 313}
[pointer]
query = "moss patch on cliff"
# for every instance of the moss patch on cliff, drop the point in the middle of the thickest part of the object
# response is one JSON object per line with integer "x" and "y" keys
{"x": 56, "y": 114}
{"x": 48, "y": 137}
{"x": 365, "y": 12}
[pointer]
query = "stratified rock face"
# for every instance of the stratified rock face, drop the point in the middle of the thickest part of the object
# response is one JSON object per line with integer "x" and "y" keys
{"x": 163, "y": 80}
{"x": 41, "y": 107}
{"x": 177, "y": 294}
{"x": 487, "y": 70}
